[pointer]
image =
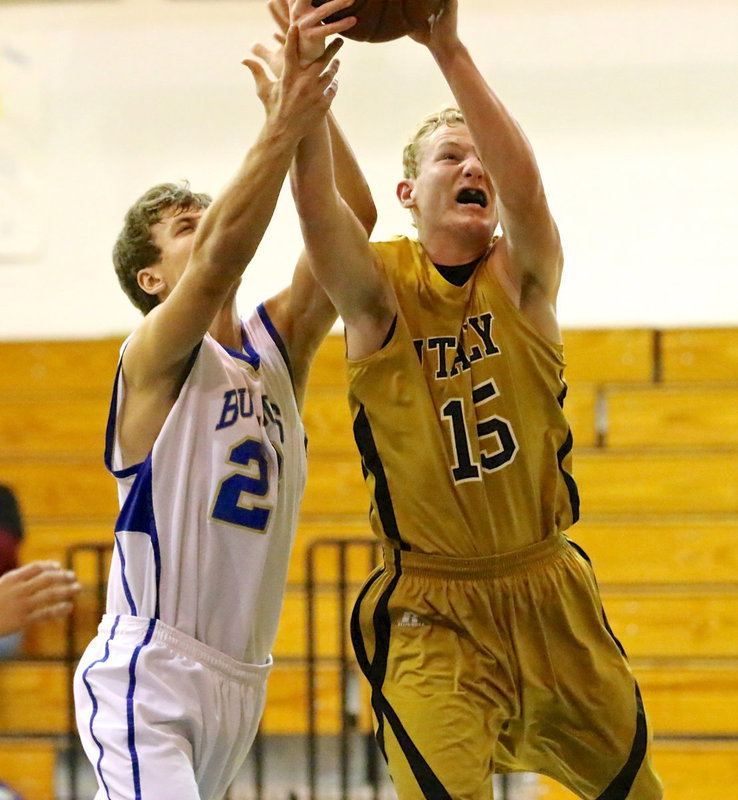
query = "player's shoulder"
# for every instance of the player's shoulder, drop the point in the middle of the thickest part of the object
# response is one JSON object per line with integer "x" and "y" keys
{"x": 399, "y": 256}
{"x": 395, "y": 245}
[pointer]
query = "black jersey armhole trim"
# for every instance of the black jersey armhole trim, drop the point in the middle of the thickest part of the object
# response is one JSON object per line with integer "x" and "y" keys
{"x": 390, "y": 333}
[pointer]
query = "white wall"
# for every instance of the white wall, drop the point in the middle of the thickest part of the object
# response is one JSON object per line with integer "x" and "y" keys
{"x": 631, "y": 105}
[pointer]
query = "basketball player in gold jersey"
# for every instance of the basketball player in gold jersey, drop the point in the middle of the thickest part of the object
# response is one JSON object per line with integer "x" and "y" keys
{"x": 483, "y": 635}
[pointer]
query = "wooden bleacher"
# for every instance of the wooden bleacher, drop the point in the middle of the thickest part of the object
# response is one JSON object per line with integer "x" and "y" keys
{"x": 656, "y": 459}
{"x": 28, "y": 765}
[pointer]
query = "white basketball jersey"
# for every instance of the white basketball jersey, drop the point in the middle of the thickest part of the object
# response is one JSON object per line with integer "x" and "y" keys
{"x": 207, "y": 521}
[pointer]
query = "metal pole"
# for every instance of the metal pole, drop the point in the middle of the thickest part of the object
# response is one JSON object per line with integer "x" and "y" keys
{"x": 258, "y": 755}
{"x": 312, "y": 741}
{"x": 100, "y": 551}
{"x": 71, "y": 754}
{"x": 347, "y": 723}
{"x": 372, "y": 752}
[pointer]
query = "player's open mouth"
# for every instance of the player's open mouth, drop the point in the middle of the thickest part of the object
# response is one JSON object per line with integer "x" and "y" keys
{"x": 472, "y": 197}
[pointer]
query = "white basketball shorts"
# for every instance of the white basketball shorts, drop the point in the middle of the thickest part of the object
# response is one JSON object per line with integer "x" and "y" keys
{"x": 162, "y": 715}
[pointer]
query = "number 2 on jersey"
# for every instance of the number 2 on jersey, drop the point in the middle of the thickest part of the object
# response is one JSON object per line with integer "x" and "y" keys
{"x": 466, "y": 468}
{"x": 231, "y": 505}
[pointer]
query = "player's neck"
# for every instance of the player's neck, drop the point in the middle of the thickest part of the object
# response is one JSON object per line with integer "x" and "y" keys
{"x": 452, "y": 250}
{"x": 226, "y": 326}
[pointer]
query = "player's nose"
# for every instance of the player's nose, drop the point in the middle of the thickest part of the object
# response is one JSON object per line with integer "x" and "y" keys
{"x": 473, "y": 167}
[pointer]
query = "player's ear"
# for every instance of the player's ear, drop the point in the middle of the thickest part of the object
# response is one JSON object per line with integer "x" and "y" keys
{"x": 405, "y": 193}
{"x": 151, "y": 280}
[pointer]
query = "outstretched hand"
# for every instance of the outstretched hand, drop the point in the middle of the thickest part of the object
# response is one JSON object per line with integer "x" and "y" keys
{"x": 273, "y": 55}
{"x": 304, "y": 91}
{"x": 313, "y": 30}
{"x": 313, "y": 33}
{"x": 39, "y": 590}
{"x": 442, "y": 28}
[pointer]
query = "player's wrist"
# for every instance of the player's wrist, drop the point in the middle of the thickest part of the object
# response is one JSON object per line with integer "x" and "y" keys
{"x": 280, "y": 134}
{"x": 447, "y": 50}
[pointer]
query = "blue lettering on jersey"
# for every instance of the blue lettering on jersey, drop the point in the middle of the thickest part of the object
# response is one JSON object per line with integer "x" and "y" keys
{"x": 240, "y": 499}
{"x": 237, "y": 499}
{"x": 236, "y": 403}
{"x": 453, "y": 356}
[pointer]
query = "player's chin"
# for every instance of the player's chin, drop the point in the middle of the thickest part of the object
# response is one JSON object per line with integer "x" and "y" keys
{"x": 476, "y": 219}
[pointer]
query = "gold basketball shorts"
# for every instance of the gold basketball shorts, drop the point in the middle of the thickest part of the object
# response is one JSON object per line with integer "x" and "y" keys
{"x": 503, "y": 664}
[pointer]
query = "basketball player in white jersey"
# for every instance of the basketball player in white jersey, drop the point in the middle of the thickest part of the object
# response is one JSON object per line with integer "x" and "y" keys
{"x": 206, "y": 443}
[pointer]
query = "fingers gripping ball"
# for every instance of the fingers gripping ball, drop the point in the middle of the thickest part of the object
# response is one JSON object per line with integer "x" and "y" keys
{"x": 383, "y": 20}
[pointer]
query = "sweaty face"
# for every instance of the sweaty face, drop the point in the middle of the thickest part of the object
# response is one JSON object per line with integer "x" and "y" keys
{"x": 452, "y": 189}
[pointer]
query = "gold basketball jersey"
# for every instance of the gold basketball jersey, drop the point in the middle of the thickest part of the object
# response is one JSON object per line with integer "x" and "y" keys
{"x": 459, "y": 417}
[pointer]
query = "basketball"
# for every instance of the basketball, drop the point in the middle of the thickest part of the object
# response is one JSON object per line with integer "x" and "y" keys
{"x": 383, "y": 20}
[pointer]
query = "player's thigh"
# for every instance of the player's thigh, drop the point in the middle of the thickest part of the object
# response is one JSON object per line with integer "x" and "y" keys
{"x": 436, "y": 745}
{"x": 441, "y": 705}
{"x": 583, "y": 717}
{"x": 234, "y": 709}
{"x": 132, "y": 758}
{"x": 161, "y": 766}
{"x": 596, "y": 749}
{"x": 135, "y": 732}
{"x": 437, "y": 697}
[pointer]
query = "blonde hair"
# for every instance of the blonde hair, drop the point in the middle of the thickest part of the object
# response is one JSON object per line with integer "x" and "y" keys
{"x": 411, "y": 154}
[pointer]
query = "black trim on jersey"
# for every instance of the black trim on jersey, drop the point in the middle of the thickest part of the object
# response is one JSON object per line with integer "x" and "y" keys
{"x": 356, "y": 639}
{"x": 382, "y": 629}
{"x": 371, "y": 462}
{"x": 560, "y": 399}
{"x": 428, "y": 781}
{"x": 375, "y": 672}
{"x": 390, "y": 333}
{"x": 605, "y": 621}
{"x": 622, "y": 783}
{"x": 274, "y": 333}
{"x": 458, "y": 275}
{"x": 362, "y": 658}
{"x": 571, "y": 484}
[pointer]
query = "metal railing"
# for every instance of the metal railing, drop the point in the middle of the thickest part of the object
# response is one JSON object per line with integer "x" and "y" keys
{"x": 355, "y": 765}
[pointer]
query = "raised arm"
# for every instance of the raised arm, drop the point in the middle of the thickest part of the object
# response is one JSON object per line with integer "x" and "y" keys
{"x": 230, "y": 231}
{"x": 202, "y": 260}
{"x": 302, "y": 312}
{"x": 531, "y": 251}
{"x": 336, "y": 242}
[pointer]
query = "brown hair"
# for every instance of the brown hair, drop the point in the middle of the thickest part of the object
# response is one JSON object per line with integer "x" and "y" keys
{"x": 411, "y": 154}
{"x": 134, "y": 248}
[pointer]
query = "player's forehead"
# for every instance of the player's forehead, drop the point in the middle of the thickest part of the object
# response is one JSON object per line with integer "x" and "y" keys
{"x": 173, "y": 215}
{"x": 446, "y": 134}
{"x": 456, "y": 135}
